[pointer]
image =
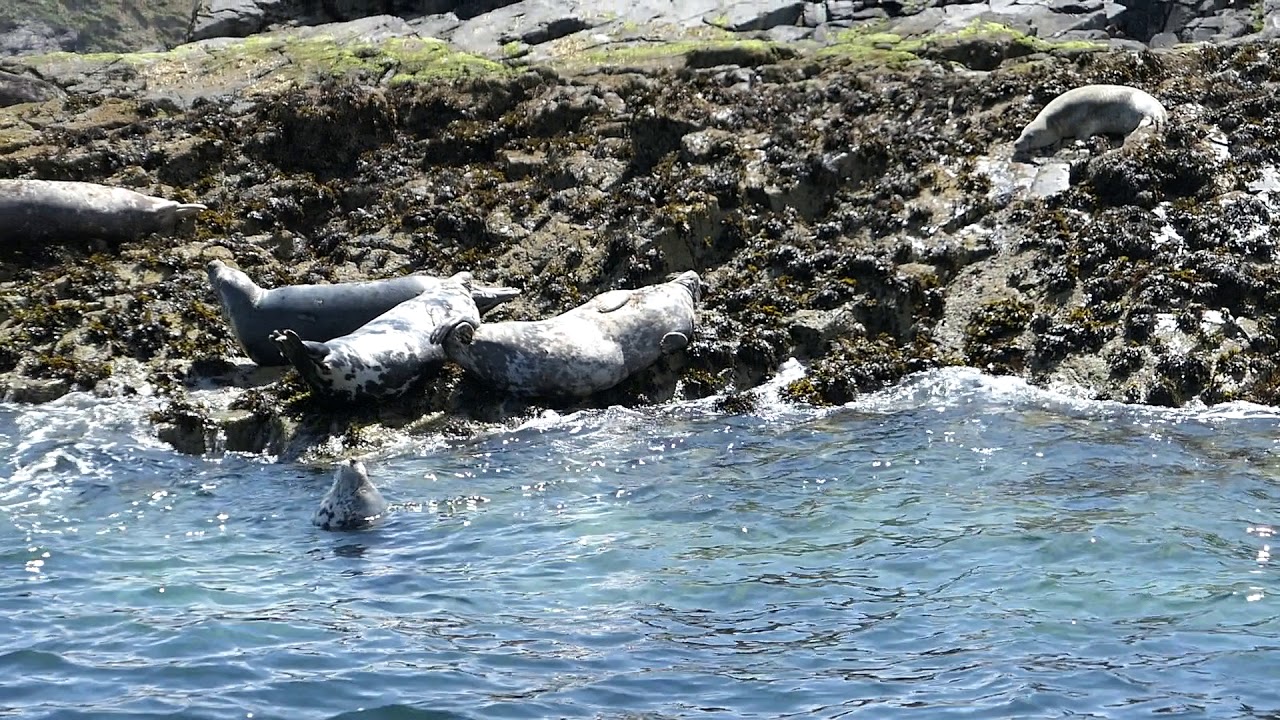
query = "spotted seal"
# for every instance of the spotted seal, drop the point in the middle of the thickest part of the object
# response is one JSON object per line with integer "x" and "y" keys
{"x": 58, "y": 209}
{"x": 316, "y": 312}
{"x": 381, "y": 358}
{"x": 585, "y": 350}
{"x": 1091, "y": 110}
{"x": 352, "y": 503}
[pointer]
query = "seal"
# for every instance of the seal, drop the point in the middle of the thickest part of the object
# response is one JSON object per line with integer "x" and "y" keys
{"x": 56, "y": 209}
{"x": 352, "y": 503}
{"x": 583, "y": 351}
{"x": 1091, "y": 110}
{"x": 316, "y": 312}
{"x": 383, "y": 357}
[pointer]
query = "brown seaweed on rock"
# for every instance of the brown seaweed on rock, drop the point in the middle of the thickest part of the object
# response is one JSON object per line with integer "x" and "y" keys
{"x": 845, "y": 215}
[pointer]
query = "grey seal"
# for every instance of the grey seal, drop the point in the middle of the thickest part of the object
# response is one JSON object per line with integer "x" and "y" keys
{"x": 352, "y": 503}
{"x": 383, "y": 357}
{"x": 1091, "y": 110}
{"x": 316, "y": 312}
{"x": 585, "y": 350}
{"x": 57, "y": 209}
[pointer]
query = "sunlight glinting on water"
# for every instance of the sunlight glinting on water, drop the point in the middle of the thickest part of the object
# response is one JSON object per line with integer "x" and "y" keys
{"x": 957, "y": 541}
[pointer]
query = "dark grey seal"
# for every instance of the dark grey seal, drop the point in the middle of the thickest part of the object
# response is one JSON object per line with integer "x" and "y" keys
{"x": 57, "y": 210}
{"x": 585, "y": 350}
{"x": 383, "y": 357}
{"x": 352, "y": 503}
{"x": 316, "y": 312}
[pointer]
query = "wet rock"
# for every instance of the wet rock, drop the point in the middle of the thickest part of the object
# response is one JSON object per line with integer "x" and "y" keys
{"x": 32, "y": 390}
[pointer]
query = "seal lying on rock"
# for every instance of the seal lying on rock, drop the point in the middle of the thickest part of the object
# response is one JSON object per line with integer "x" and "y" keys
{"x": 383, "y": 357}
{"x": 56, "y": 209}
{"x": 352, "y": 501}
{"x": 1091, "y": 110}
{"x": 585, "y": 350}
{"x": 317, "y": 312}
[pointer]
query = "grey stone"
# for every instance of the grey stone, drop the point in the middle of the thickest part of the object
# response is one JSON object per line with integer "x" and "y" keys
{"x": 556, "y": 29}
{"x": 1163, "y": 40}
{"x": 16, "y": 89}
{"x": 703, "y": 145}
{"x": 35, "y": 37}
{"x": 1270, "y": 19}
{"x": 1051, "y": 179}
{"x": 812, "y": 329}
{"x": 815, "y": 14}
{"x": 1075, "y": 7}
{"x": 233, "y": 18}
{"x": 746, "y": 16}
{"x": 522, "y": 164}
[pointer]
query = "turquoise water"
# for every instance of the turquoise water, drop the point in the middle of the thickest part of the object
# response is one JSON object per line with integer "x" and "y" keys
{"x": 958, "y": 546}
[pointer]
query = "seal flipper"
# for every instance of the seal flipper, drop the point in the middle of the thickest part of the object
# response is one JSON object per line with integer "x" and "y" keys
{"x": 460, "y": 329}
{"x": 186, "y": 210}
{"x": 488, "y": 298}
{"x": 672, "y": 342}
{"x": 609, "y": 302}
{"x": 305, "y": 356}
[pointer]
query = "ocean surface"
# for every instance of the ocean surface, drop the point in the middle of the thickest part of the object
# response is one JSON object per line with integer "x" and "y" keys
{"x": 956, "y": 546}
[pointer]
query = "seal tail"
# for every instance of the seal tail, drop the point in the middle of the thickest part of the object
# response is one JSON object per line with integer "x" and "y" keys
{"x": 304, "y": 355}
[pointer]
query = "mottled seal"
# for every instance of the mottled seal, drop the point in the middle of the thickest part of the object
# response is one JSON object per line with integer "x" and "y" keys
{"x": 352, "y": 503}
{"x": 384, "y": 356}
{"x": 585, "y": 350}
{"x": 1091, "y": 110}
{"x": 56, "y": 209}
{"x": 316, "y": 312}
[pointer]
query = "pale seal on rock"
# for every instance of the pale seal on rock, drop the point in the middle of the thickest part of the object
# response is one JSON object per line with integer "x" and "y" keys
{"x": 585, "y": 350}
{"x": 352, "y": 503}
{"x": 383, "y": 357}
{"x": 317, "y": 312}
{"x": 57, "y": 209}
{"x": 1091, "y": 110}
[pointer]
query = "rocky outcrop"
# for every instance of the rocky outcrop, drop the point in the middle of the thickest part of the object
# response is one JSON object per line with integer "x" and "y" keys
{"x": 852, "y": 205}
{"x": 540, "y": 29}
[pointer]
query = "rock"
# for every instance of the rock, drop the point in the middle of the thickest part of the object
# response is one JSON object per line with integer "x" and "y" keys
{"x": 520, "y": 165}
{"x": 704, "y": 145}
{"x": 16, "y": 89}
{"x": 1051, "y": 178}
{"x": 233, "y": 18}
{"x": 811, "y": 330}
{"x": 34, "y": 37}
{"x": 749, "y": 15}
{"x": 32, "y": 390}
{"x": 555, "y": 29}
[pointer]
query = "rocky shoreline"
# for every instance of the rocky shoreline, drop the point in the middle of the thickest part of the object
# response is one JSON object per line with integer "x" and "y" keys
{"x": 851, "y": 204}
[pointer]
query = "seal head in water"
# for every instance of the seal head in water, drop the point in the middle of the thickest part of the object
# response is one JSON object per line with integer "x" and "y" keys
{"x": 352, "y": 502}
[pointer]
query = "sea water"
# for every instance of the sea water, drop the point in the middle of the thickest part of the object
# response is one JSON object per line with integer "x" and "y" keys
{"x": 955, "y": 546}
